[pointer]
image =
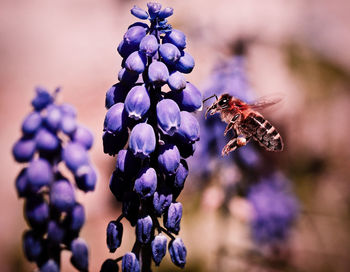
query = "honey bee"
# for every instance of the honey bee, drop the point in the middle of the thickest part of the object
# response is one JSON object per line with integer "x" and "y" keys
{"x": 246, "y": 122}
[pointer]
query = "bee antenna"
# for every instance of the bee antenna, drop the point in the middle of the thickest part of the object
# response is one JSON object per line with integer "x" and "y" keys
{"x": 214, "y": 95}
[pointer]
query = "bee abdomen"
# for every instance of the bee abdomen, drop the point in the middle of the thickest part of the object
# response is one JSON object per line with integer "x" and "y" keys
{"x": 263, "y": 132}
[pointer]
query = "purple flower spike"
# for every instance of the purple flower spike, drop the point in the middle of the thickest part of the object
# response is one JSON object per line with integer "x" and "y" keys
{"x": 68, "y": 125}
{"x": 115, "y": 119}
{"x": 176, "y": 37}
{"x": 146, "y": 182}
{"x": 114, "y": 235}
{"x": 165, "y": 13}
{"x": 130, "y": 263}
{"x": 168, "y": 116}
{"x": 149, "y": 45}
{"x": 169, "y": 52}
{"x": 136, "y": 62}
{"x": 185, "y": 64}
{"x": 154, "y": 9}
{"x": 62, "y": 196}
{"x": 177, "y": 81}
{"x": 83, "y": 136}
{"x": 23, "y": 150}
{"x": 139, "y": 13}
{"x": 31, "y": 123}
{"x": 169, "y": 158}
{"x": 178, "y": 252}
{"x": 181, "y": 174}
{"x": 75, "y": 218}
{"x": 75, "y": 156}
{"x": 190, "y": 99}
{"x": 142, "y": 140}
{"x": 144, "y": 229}
{"x": 39, "y": 174}
{"x": 158, "y": 73}
{"x": 189, "y": 128}
{"x": 173, "y": 217}
{"x": 158, "y": 248}
{"x": 137, "y": 102}
{"x": 80, "y": 254}
{"x": 134, "y": 35}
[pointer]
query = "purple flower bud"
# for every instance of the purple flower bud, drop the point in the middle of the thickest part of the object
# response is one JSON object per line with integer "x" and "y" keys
{"x": 112, "y": 143}
{"x": 124, "y": 49}
{"x": 62, "y": 196}
{"x": 46, "y": 141}
{"x": 116, "y": 94}
{"x": 75, "y": 218}
{"x": 173, "y": 217}
{"x": 68, "y": 110}
{"x": 50, "y": 266}
{"x": 158, "y": 73}
{"x": 39, "y": 174}
{"x": 127, "y": 163}
{"x": 31, "y": 123}
{"x": 53, "y": 117}
{"x": 181, "y": 174}
{"x": 130, "y": 263}
{"x": 139, "y": 13}
{"x": 127, "y": 77}
{"x": 146, "y": 182}
{"x": 68, "y": 125}
{"x": 134, "y": 35}
{"x": 169, "y": 158}
{"x": 161, "y": 201}
{"x": 109, "y": 265}
{"x": 36, "y": 211}
{"x": 168, "y": 116}
{"x": 144, "y": 229}
{"x": 176, "y": 37}
{"x": 23, "y": 150}
{"x": 169, "y": 52}
{"x": 189, "y": 128}
{"x": 154, "y": 9}
{"x": 22, "y": 183}
{"x": 55, "y": 232}
{"x": 142, "y": 140}
{"x": 190, "y": 99}
{"x": 165, "y": 13}
{"x": 136, "y": 62}
{"x": 115, "y": 119}
{"x": 32, "y": 245}
{"x": 177, "y": 81}
{"x": 158, "y": 248}
{"x": 149, "y": 45}
{"x": 80, "y": 254}
{"x": 178, "y": 252}
{"x": 83, "y": 136}
{"x": 185, "y": 64}
{"x": 137, "y": 102}
{"x": 131, "y": 203}
{"x": 114, "y": 235}
{"x": 42, "y": 99}
{"x": 86, "y": 178}
{"x": 75, "y": 156}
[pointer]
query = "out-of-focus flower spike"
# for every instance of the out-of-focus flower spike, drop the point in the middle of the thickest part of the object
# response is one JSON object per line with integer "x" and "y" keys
{"x": 80, "y": 254}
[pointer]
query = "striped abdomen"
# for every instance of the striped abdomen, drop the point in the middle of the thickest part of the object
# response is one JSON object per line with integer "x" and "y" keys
{"x": 262, "y": 131}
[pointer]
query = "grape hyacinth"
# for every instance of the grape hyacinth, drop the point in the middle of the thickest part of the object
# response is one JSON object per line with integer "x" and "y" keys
{"x": 149, "y": 127}
{"x": 51, "y": 138}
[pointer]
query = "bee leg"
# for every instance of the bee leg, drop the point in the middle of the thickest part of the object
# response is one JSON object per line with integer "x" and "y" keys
{"x": 230, "y": 125}
{"x": 230, "y": 146}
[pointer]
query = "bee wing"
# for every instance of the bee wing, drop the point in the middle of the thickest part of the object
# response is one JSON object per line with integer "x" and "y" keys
{"x": 265, "y": 102}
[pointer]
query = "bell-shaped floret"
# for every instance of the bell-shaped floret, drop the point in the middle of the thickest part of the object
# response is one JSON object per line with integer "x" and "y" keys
{"x": 134, "y": 35}
{"x": 168, "y": 116}
{"x": 68, "y": 110}
{"x": 139, "y": 13}
{"x": 50, "y": 266}
{"x": 53, "y": 117}
{"x": 68, "y": 125}
{"x": 190, "y": 99}
{"x": 168, "y": 158}
{"x": 165, "y": 13}
{"x": 55, "y": 232}
{"x": 85, "y": 178}
{"x": 189, "y": 128}
{"x": 127, "y": 77}
{"x": 137, "y": 102}
{"x": 169, "y": 52}
{"x": 75, "y": 156}
{"x": 136, "y": 62}
{"x": 32, "y": 245}
{"x": 62, "y": 196}
{"x": 173, "y": 217}
{"x": 144, "y": 229}
{"x": 181, "y": 174}
{"x": 158, "y": 73}
{"x": 80, "y": 254}
{"x": 116, "y": 94}
{"x": 149, "y": 45}
{"x": 162, "y": 200}
{"x": 146, "y": 182}
{"x": 114, "y": 235}
{"x": 176, "y": 37}
{"x": 83, "y": 136}
{"x": 36, "y": 211}
{"x": 178, "y": 252}
{"x": 130, "y": 263}
{"x": 46, "y": 140}
{"x": 142, "y": 140}
{"x": 75, "y": 218}
{"x": 31, "y": 123}
{"x": 24, "y": 149}
{"x": 115, "y": 119}
{"x": 22, "y": 183}
{"x": 185, "y": 64}
{"x": 153, "y": 9}
{"x": 177, "y": 81}
{"x": 127, "y": 163}
{"x": 39, "y": 174}
{"x": 158, "y": 246}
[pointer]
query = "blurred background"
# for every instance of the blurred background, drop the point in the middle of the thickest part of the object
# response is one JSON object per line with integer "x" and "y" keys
{"x": 297, "y": 50}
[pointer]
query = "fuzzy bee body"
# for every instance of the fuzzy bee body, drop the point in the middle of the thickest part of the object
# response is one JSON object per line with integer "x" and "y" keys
{"x": 246, "y": 122}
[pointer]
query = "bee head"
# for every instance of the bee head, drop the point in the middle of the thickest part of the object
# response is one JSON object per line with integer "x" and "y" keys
{"x": 223, "y": 101}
